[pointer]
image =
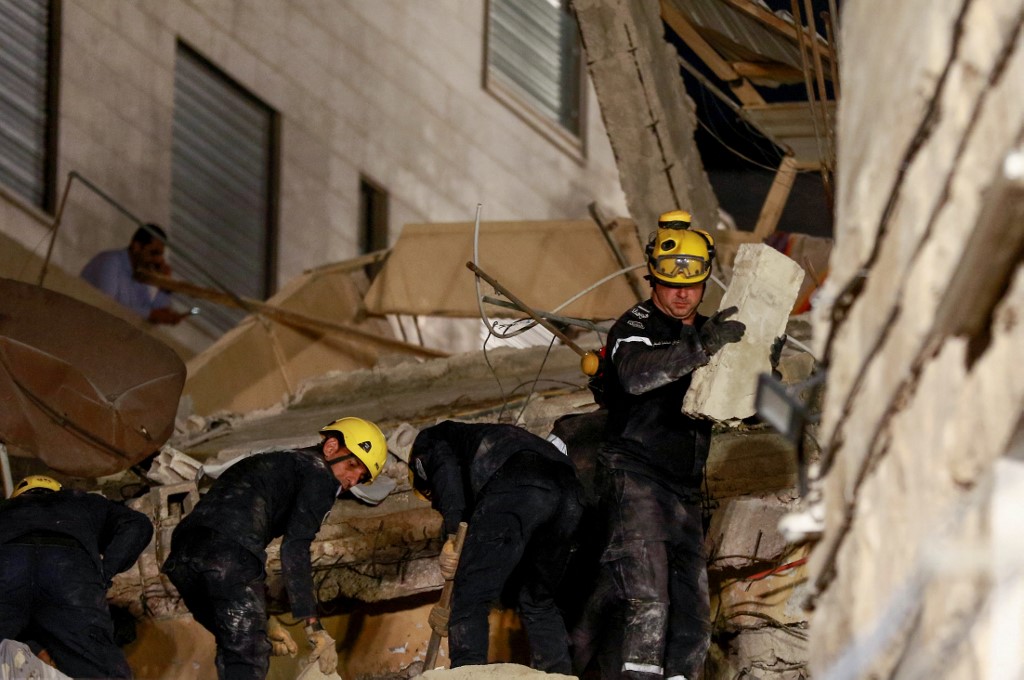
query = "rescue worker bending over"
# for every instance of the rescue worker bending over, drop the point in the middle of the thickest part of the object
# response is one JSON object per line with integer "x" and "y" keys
{"x": 218, "y": 551}
{"x": 651, "y": 464}
{"x": 59, "y": 550}
{"x": 521, "y": 498}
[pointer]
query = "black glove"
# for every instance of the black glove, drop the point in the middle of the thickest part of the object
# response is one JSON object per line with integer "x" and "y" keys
{"x": 716, "y": 332}
{"x": 776, "y": 352}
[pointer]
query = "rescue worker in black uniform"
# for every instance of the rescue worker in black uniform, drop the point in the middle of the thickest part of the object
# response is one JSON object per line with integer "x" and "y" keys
{"x": 59, "y": 550}
{"x": 521, "y": 499}
{"x": 651, "y": 464}
{"x": 218, "y": 552}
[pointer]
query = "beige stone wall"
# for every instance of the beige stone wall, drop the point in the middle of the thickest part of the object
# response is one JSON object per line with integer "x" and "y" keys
{"x": 925, "y": 387}
{"x": 390, "y": 89}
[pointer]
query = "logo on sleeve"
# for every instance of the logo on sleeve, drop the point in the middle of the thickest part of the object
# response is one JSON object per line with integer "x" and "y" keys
{"x": 635, "y": 324}
{"x": 639, "y": 312}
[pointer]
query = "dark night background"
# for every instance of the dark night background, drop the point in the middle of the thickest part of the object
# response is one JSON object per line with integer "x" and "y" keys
{"x": 740, "y": 162}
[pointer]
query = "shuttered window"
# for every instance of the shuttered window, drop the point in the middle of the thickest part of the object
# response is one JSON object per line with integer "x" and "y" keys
{"x": 533, "y": 49}
{"x": 223, "y": 192}
{"x": 28, "y": 95}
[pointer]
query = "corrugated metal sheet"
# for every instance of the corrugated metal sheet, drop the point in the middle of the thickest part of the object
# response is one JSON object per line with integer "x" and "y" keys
{"x": 736, "y": 27}
{"x": 24, "y": 51}
{"x": 222, "y": 178}
{"x": 533, "y": 46}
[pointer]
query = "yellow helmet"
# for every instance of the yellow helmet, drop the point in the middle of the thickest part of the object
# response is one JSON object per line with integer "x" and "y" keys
{"x": 675, "y": 219}
{"x": 680, "y": 257}
{"x": 36, "y": 482}
{"x": 363, "y": 439}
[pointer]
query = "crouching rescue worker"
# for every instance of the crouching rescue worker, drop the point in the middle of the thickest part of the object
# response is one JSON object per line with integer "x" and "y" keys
{"x": 218, "y": 552}
{"x": 650, "y": 466}
{"x": 59, "y": 550}
{"x": 521, "y": 499}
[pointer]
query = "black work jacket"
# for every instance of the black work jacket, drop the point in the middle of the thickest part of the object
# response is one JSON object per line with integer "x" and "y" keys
{"x": 112, "y": 534}
{"x": 651, "y": 360}
{"x": 281, "y": 493}
{"x": 456, "y": 460}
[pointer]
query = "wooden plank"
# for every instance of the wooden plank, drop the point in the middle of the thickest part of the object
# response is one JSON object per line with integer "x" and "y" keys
{"x": 780, "y": 73}
{"x": 775, "y": 202}
{"x": 791, "y": 123}
{"x": 718, "y": 65}
{"x": 280, "y": 315}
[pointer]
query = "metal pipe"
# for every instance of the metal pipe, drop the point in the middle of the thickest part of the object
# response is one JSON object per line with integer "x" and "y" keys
{"x": 524, "y": 308}
{"x": 239, "y": 301}
{"x": 55, "y": 227}
{"x": 833, "y": 53}
{"x": 565, "y": 320}
{"x": 5, "y": 471}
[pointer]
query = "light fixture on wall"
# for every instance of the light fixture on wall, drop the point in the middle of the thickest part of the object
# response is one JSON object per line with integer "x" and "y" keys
{"x": 787, "y": 409}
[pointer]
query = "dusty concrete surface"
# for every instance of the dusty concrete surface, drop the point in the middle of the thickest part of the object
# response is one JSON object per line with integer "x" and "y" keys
{"x": 922, "y": 327}
{"x": 649, "y": 116}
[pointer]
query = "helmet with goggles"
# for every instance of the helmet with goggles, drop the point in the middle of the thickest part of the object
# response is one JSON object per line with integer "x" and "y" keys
{"x": 680, "y": 257}
{"x": 675, "y": 219}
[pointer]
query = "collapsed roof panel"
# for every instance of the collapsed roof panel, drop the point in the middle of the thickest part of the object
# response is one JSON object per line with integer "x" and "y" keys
{"x": 543, "y": 263}
{"x": 746, "y": 31}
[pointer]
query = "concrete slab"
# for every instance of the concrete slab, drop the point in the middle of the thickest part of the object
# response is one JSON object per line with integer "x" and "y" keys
{"x": 764, "y": 286}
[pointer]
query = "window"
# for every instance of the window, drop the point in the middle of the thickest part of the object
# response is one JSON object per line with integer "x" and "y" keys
{"x": 223, "y": 186}
{"x": 373, "y": 216}
{"x": 28, "y": 98}
{"x": 533, "y": 63}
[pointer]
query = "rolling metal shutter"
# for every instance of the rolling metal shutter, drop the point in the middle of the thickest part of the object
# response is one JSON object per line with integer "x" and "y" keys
{"x": 24, "y": 98}
{"x": 533, "y": 45}
{"x": 222, "y": 192}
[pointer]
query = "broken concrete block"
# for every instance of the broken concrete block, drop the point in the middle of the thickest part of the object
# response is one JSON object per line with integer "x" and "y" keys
{"x": 313, "y": 672}
{"x": 172, "y": 466}
{"x": 400, "y": 441}
{"x": 18, "y": 661}
{"x": 494, "y": 671}
{"x": 764, "y": 287}
{"x": 745, "y": 531}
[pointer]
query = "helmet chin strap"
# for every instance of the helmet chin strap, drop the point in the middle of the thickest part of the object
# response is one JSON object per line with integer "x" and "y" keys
{"x": 340, "y": 459}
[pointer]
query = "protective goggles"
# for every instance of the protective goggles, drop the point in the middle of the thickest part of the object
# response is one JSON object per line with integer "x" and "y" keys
{"x": 686, "y": 266}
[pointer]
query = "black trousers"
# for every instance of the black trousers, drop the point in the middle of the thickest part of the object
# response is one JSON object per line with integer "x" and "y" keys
{"x": 521, "y": 528}
{"x": 222, "y": 584}
{"x": 653, "y": 578}
{"x": 54, "y": 595}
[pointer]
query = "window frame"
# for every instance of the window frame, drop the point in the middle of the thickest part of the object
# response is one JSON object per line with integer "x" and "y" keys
{"x": 573, "y": 144}
{"x": 271, "y": 213}
{"x": 47, "y": 202}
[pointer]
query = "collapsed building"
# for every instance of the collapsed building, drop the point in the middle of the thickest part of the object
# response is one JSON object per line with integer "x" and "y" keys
{"x": 904, "y": 560}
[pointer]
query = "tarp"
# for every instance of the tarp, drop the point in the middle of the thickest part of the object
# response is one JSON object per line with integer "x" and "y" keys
{"x": 542, "y": 263}
{"x": 84, "y": 391}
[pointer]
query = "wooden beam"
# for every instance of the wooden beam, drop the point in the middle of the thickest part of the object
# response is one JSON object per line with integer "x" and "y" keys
{"x": 780, "y": 26}
{"x": 776, "y": 72}
{"x": 776, "y": 200}
{"x": 606, "y": 230}
{"x": 686, "y": 31}
{"x": 285, "y": 316}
